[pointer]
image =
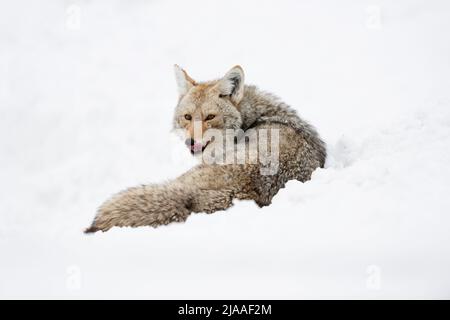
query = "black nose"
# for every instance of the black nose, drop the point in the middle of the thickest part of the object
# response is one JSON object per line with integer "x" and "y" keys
{"x": 189, "y": 142}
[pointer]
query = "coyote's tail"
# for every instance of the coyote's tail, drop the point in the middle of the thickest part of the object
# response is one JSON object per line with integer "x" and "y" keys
{"x": 150, "y": 205}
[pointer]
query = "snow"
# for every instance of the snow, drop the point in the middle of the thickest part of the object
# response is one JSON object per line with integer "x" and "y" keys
{"x": 87, "y": 92}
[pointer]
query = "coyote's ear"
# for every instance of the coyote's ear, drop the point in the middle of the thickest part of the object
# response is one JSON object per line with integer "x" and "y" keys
{"x": 184, "y": 82}
{"x": 232, "y": 84}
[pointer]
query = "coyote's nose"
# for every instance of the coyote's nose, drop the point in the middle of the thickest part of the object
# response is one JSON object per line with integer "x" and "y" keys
{"x": 189, "y": 142}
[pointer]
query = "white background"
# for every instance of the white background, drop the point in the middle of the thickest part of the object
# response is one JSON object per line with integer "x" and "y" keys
{"x": 87, "y": 94}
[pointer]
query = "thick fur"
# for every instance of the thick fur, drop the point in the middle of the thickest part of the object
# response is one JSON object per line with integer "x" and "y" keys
{"x": 209, "y": 188}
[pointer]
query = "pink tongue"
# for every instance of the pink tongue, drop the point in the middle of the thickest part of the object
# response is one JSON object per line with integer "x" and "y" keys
{"x": 197, "y": 147}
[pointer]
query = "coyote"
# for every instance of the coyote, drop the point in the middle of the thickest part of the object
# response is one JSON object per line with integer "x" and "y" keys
{"x": 221, "y": 105}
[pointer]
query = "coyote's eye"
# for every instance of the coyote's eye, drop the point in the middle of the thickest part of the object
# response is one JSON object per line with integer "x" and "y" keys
{"x": 210, "y": 117}
{"x": 188, "y": 117}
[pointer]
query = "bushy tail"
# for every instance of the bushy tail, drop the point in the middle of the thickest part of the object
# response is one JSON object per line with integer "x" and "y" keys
{"x": 155, "y": 205}
{"x": 150, "y": 205}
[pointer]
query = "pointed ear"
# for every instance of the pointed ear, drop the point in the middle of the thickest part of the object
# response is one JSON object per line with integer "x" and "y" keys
{"x": 232, "y": 84}
{"x": 184, "y": 82}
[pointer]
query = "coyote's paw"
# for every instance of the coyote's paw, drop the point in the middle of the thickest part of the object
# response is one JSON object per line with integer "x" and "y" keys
{"x": 210, "y": 201}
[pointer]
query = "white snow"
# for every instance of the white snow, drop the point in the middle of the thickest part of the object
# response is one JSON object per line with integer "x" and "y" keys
{"x": 87, "y": 92}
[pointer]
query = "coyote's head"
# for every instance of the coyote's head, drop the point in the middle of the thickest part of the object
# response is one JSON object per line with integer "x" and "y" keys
{"x": 207, "y": 105}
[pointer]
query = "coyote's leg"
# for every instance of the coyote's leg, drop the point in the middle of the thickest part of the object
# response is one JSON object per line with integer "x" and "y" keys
{"x": 217, "y": 185}
{"x": 210, "y": 201}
